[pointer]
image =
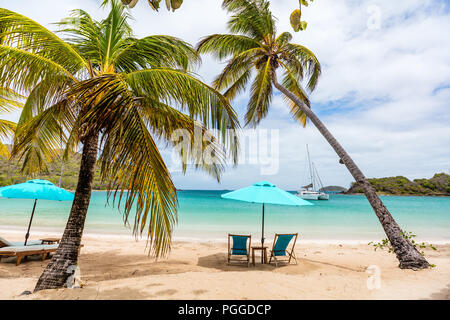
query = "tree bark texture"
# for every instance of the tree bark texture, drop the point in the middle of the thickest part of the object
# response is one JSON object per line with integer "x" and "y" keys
{"x": 66, "y": 256}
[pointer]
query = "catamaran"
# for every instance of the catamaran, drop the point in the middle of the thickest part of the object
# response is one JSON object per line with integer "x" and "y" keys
{"x": 308, "y": 192}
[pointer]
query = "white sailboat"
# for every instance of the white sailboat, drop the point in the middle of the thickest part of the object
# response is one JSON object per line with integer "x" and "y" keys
{"x": 308, "y": 192}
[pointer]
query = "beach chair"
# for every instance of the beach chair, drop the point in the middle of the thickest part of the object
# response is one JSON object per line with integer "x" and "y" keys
{"x": 280, "y": 248}
{"x": 6, "y": 243}
{"x": 238, "y": 247}
{"x": 22, "y": 251}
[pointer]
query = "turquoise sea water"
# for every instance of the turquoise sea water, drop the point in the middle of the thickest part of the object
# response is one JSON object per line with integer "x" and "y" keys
{"x": 203, "y": 214}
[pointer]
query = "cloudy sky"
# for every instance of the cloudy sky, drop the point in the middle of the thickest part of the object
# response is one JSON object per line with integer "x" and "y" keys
{"x": 384, "y": 91}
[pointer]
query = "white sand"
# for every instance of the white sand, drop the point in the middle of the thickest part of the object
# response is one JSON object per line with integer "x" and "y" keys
{"x": 117, "y": 267}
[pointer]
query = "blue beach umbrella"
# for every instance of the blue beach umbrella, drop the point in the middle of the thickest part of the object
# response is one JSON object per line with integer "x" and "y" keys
{"x": 265, "y": 192}
{"x": 38, "y": 190}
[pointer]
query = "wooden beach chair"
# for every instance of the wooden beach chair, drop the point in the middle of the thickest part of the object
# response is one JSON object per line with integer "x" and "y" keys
{"x": 238, "y": 247}
{"x": 22, "y": 251}
{"x": 10, "y": 249}
{"x": 280, "y": 251}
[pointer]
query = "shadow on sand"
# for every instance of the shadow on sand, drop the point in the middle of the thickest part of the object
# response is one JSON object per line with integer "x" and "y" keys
{"x": 218, "y": 261}
{"x": 443, "y": 294}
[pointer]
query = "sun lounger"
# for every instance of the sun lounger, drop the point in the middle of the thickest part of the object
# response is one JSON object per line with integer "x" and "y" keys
{"x": 6, "y": 243}
{"x": 22, "y": 251}
{"x": 280, "y": 248}
{"x": 239, "y": 247}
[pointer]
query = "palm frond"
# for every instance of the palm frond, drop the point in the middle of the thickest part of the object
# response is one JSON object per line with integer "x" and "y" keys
{"x": 162, "y": 119}
{"x": 98, "y": 41}
{"x": 22, "y": 70}
{"x": 235, "y": 68}
{"x": 171, "y": 125}
{"x": 10, "y": 100}
{"x": 158, "y": 51}
{"x": 45, "y": 94}
{"x": 38, "y": 140}
{"x": 283, "y": 39}
{"x": 292, "y": 83}
{"x": 224, "y": 45}
{"x": 116, "y": 28}
{"x": 130, "y": 160}
{"x": 309, "y": 61}
{"x": 175, "y": 87}
{"x": 239, "y": 85}
{"x": 25, "y": 34}
{"x": 83, "y": 33}
{"x": 290, "y": 61}
{"x": 252, "y": 18}
{"x": 6, "y": 131}
{"x": 261, "y": 95}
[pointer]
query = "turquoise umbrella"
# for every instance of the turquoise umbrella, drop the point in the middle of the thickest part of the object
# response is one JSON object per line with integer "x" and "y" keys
{"x": 265, "y": 192}
{"x": 38, "y": 190}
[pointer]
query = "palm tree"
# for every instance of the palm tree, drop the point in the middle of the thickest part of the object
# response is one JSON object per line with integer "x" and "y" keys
{"x": 254, "y": 48}
{"x": 115, "y": 95}
{"x": 9, "y": 101}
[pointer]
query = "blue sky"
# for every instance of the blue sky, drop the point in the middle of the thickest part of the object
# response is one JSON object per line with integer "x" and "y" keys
{"x": 384, "y": 92}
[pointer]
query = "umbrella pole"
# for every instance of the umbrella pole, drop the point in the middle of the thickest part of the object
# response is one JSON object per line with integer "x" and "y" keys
{"x": 262, "y": 237}
{"x": 29, "y": 225}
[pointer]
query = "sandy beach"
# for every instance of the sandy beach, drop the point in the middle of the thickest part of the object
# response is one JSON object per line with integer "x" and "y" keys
{"x": 118, "y": 268}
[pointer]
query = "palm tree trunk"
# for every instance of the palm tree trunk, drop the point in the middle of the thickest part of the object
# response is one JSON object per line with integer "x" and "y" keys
{"x": 407, "y": 254}
{"x": 66, "y": 256}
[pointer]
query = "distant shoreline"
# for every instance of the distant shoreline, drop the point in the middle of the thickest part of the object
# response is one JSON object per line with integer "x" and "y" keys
{"x": 344, "y": 194}
{"x": 399, "y": 195}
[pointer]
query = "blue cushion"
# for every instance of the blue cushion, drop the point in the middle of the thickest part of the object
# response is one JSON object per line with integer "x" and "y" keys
{"x": 29, "y": 243}
{"x": 239, "y": 245}
{"x": 281, "y": 245}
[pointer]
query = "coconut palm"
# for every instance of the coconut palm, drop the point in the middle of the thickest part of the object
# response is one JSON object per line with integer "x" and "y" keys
{"x": 9, "y": 101}
{"x": 257, "y": 54}
{"x": 99, "y": 87}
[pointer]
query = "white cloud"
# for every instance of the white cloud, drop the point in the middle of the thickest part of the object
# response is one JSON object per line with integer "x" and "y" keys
{"x": 379, "y": 91}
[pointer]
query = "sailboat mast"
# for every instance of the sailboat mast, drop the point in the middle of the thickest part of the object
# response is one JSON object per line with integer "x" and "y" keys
{"x": 310, "y": 167}
{"x": 317, "y": 175}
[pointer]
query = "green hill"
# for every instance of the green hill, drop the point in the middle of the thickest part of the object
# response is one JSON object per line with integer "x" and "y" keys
{"x": 336, "y": 189}
{"x": 439, "y": 184}
{"x": 10, "y": 173}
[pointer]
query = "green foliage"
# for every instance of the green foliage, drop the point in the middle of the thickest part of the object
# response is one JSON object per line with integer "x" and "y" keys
{"x": 296, "y": 15}
{"x": 10, "y": 173}
{"x": 385, "y": 244}
{"x": 334, "y": 189}
{"x": 439, "y": 184}
{"x": 9, "y": 101}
